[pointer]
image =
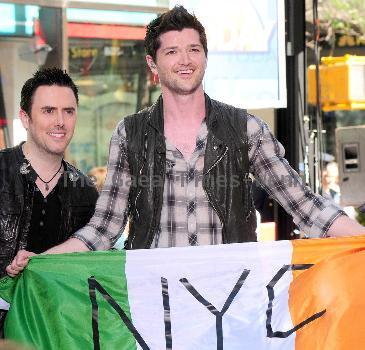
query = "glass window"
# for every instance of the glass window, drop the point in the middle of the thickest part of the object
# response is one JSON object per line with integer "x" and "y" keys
{"x": 113, "y": 82}
{"x": 17, "y": 20}
{"x": 19, "y": 59}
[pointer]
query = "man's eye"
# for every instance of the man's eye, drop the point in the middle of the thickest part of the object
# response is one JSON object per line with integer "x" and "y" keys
{"x": 170, "y": 52}
{"x": 48, "y": 110}
{"x": 70, "y": 112}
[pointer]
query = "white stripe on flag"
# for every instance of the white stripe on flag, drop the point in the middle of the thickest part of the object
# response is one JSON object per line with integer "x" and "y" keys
{"x": 4, "y": 305}
{"x": 213, "y": 271}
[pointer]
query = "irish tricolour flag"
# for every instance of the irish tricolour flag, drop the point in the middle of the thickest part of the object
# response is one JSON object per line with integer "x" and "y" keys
{"x": 305, "y": 294}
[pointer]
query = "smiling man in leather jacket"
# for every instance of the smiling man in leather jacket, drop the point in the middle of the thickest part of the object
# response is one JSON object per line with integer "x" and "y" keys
{"x": 44, "y": 199}
{"x": 178, "y": 171}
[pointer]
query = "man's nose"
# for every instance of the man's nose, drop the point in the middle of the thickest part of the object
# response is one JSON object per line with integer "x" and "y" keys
{"x": 60, "y": 119}
{"x": 184, "y": 58}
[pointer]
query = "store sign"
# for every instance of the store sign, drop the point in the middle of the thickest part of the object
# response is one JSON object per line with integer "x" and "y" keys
{"x": 246, "y": 42}
{"x": 113, "y": 51}
{"x": 78, "y": 52}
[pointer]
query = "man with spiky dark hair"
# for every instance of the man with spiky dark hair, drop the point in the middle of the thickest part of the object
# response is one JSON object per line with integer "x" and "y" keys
{"x": 178, "y": 171}
{"x": 44, "y": 199}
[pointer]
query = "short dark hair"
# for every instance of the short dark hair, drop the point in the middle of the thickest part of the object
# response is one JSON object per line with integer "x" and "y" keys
{"x": 45, "y": 77}
{"x": 177, "y": 18}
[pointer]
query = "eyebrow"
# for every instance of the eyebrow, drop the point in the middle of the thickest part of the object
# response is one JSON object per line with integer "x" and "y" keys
{"x": 175, "y": 47}
{"x": 52, "y": 107}
{"x": 169, "y": 48}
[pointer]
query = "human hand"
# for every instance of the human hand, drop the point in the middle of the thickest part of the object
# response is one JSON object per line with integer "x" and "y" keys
{"x": 19, "y": 263}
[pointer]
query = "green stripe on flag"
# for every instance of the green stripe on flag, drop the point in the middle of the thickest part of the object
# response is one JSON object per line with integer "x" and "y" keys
{"x": 7, "y": 287}
{"x": 59, "y": 311}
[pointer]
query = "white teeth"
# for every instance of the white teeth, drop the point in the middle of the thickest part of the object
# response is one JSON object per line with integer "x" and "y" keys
{"x": 57, "y": 135}
{"x": 187, "y": 71}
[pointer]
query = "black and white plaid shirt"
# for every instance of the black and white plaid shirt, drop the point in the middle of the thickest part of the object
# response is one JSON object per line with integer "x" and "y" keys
{"x": 187, "y": 218}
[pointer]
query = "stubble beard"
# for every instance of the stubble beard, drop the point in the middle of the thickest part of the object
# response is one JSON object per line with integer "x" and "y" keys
{"x": 53, "y": 152}
{"x": 45, "y": 148}
{"x": 174, "y": 85}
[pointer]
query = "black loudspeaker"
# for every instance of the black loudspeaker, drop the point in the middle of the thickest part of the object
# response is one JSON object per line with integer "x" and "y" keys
{"x": 350, "y": 148}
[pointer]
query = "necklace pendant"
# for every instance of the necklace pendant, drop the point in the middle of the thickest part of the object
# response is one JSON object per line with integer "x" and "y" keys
{"x": 47, "y": 187}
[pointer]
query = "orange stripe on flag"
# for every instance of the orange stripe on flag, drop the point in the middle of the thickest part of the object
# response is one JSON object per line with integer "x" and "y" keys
{"x": 336, "y": 284}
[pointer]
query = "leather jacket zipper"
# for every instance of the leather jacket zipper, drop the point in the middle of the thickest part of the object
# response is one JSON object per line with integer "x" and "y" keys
{"x": 217, "y": 161}
{"x": 220, "y": 215}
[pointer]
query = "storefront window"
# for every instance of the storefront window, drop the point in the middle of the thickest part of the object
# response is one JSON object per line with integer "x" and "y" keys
{"x": 106, "y": 59}
{"x": 18, "y": 61}
{"x": 113, "y": 82}
{"x": 17, "y": 20}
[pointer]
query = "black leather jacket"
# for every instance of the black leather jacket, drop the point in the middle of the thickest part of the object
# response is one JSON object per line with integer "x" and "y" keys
{"x": 226, "y": 157}
{"x": 77, "y": 196}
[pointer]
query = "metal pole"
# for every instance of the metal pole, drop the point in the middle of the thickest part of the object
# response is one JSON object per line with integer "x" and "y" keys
{"x": 318, "y": 110}
{"x": 290, "y": 120}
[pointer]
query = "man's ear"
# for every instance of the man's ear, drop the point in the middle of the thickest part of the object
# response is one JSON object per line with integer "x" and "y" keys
{"x": 24, "y": 118}
{"x": 151, "y": 64}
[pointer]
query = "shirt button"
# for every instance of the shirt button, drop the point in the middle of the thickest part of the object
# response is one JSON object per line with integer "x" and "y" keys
{"x": 191, "y": 174}
{"x": 41, "y": 223}
{"x": 45, "y": 200}
{"x": 43, "y": 211}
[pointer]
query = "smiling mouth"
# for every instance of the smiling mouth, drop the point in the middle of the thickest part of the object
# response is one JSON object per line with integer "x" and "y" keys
{"x": 57, "y": 135}
{"x": 185, "y": 72}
